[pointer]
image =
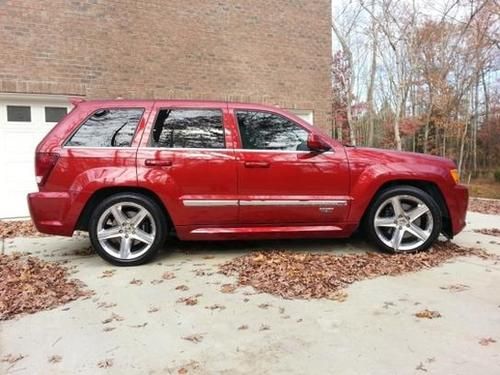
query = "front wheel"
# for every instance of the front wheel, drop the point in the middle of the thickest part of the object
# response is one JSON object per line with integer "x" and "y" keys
{"x": 127, "y": 229}
{"x": 404, "y": 219}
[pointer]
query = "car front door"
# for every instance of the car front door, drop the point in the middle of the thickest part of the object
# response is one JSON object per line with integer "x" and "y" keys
{"x": 280, "y": 181}
{"x": 188, "y": 160}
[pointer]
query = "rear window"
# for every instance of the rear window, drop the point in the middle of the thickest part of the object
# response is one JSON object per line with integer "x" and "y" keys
{"x": 108, "y": 128}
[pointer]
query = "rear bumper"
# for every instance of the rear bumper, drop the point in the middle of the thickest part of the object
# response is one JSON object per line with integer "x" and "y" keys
{"x": 458, "y": 200}
{"x": 52, "y": 212}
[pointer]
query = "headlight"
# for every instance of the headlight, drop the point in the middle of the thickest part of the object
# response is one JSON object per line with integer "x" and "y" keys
{"x": 455, "y": 175}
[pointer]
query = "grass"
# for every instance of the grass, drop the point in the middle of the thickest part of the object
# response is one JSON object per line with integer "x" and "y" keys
{"x": 484, "y": 188}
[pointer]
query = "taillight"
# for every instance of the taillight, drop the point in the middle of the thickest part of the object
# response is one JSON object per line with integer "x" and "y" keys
{"x": 44, "y": 162}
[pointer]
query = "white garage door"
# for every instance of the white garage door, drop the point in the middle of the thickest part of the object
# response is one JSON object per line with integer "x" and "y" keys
{"x": 24, "y": 121}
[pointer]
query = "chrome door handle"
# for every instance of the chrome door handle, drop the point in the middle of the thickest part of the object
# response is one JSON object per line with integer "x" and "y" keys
{"x": 257, "y": 164}
{"x": 158, "y": 163}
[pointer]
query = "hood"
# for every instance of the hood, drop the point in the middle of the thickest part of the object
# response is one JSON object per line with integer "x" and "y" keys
{"x": 369, "y": 155}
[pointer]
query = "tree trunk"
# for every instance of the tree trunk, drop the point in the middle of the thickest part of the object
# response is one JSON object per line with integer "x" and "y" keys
{"x": 371, "y": 83}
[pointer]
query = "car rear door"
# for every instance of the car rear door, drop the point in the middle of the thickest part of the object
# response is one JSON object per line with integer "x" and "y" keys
{"x": 187, "y": 158}
{"x": 279, "y": 180}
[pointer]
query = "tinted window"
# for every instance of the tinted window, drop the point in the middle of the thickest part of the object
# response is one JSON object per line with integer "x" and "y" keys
{"x": 54, "y": 114}
{"x": 268, "y": 131}
{"x": 18, "y": 113}
{"x": 189, "y": 128}
{"x": 108, "y": 128}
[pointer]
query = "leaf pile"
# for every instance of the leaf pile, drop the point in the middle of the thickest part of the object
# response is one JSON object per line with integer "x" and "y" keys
{"x": 29, "y": 284}
{"x": 490, "y": 232}
{"x": 485, "y": 206}
{"x": 308, "y": 275}
{"x": 18, "y": 228}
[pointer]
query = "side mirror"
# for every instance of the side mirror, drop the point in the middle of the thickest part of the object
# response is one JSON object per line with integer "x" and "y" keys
{"x": 316, "y": 144}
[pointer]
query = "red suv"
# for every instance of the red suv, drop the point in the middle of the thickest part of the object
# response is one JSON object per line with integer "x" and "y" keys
{"x": 132, "y": 172}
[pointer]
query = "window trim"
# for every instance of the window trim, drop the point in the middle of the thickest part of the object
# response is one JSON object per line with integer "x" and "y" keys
{"x": 68, "y": 138}
{"x": 241, "y": 148}
{"x": 150, "y": 138}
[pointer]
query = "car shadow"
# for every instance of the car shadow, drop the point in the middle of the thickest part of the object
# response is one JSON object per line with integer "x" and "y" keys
{"x": 355, "y": 244}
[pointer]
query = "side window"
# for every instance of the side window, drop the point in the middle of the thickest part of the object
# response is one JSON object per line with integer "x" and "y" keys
{"x": 188, "y": 128}
{"x": 269, "y": 131}
{"x": 108, "y": 128}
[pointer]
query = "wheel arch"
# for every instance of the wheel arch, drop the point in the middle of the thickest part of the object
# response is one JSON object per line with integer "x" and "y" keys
{"x": 99, "y": 195}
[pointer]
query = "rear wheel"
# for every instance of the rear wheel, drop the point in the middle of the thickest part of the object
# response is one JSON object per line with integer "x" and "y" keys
{"x": 127, "y": 229}
{"x": 404, "y": 219}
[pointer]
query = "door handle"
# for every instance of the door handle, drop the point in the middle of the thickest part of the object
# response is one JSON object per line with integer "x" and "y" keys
{"x": 158, "y": 163}
{"x": 257, "y": 164}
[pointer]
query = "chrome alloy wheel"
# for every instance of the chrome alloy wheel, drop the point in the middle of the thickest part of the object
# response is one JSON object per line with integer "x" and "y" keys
{"x": 403, "y": 222}
{"x": 126, "y": 230}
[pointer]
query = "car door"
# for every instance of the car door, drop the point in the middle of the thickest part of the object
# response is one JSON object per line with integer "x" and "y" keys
{"x": 188, "y": 160}
{"x": 280, "y": 181}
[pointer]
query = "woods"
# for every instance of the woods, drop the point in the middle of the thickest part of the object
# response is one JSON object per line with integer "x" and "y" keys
{"x": 420, "y": 76}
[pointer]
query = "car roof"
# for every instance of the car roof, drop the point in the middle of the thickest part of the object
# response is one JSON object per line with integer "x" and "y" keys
{"x": 180, "y": 102}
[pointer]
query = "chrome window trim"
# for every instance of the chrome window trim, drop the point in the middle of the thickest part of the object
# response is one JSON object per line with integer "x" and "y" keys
{"x": 101, "y": 147}
{"x": 226, "y": 149}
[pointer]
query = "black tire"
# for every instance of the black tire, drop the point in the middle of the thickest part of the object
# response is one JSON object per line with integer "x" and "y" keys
{"x": 157, "y": 216}
{"x": 403, "y": 190}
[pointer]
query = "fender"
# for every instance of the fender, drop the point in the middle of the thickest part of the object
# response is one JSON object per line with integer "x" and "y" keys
{"x": 368, "y": 178}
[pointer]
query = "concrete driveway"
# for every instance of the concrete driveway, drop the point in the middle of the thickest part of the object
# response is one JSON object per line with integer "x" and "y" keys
{"x": 374, "y": 331}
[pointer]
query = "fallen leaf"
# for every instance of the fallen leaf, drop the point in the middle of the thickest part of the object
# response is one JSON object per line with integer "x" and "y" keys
{"x": 190, "y": 301}
{"x": 107, "y": 273}
{"x": 242, "y": 327}
{"x": 228, "y": 288}
{"x": 114, "y": 317}
{"x": 105, "y": 305}
{"x": 428, "y": 314}
{"x": 55, "y": 359}
{"x": 12, "y": 358}
{"x": 168, "y": 276}
{"x": 107, "y": 363}
{"x": 264, "y": 306}
{"x": 215, "y": 307}
{"x": 485, "y": 341}
{"x": 421, "y": 367}
{"x": 156, "y": 282}
{"x": 264, "y": 327}
{"x": 108, "y": 329}
{"x": 182, "y": 288}
{"x": 196, "y": 338}
{"x": 455, "y": 287}
{"x": 153, "y": 309}
{"x": 136, "y": 282}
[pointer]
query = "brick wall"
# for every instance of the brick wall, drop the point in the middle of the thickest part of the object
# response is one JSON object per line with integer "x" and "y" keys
{"x": 275, "y": 52}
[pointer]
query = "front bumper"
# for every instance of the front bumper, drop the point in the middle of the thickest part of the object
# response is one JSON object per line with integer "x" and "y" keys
{"x": 53, "y": 212}
{"x": 458, "y": 202}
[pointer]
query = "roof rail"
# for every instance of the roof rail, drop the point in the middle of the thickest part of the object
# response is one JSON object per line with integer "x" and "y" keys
{"x": 75, "y": 100}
